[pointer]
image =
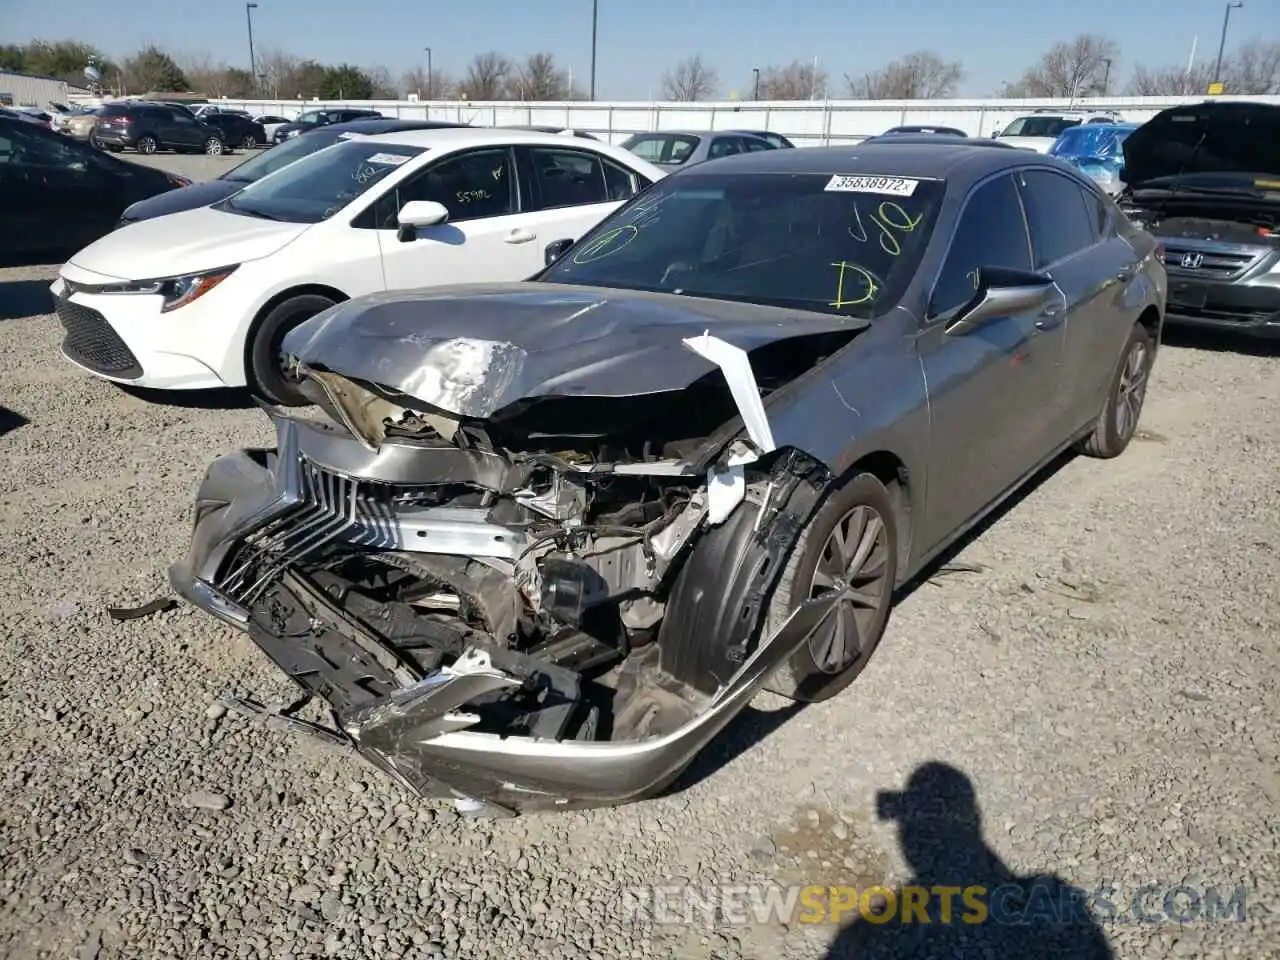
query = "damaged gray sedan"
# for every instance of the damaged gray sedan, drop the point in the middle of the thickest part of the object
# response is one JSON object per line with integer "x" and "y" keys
{"x": 537, "y": 543}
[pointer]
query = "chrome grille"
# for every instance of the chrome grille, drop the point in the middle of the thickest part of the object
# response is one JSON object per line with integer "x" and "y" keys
{"x": 332, "y": 506}
{"x": 1209, "y": 262}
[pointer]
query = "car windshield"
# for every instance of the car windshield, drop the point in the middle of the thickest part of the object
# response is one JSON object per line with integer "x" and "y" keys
{"x": 257, "y": 167}
{"x": 318, "y": 186}
{"x": 1091, "y": 141}
{"x": 1038, "y": 126}
{"x": 847, "y": 245}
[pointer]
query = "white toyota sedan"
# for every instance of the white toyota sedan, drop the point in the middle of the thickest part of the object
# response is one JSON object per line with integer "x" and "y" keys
{"x": 202, "y": 298}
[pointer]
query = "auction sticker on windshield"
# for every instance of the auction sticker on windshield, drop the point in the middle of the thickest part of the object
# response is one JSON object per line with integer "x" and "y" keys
{"x": 394, "y": 159}
{"x": 893, "y": 186}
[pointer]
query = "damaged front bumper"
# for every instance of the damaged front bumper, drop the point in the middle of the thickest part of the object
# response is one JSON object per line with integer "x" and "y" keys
{"x": 267, "y": 523}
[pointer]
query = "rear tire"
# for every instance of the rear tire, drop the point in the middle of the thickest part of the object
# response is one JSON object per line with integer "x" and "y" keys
{"x": 147, "y": 144}
{"x": 249, "y": 142}
{"x": 265, "y": 374}
{"x": 1118, "y": 421}
{"x": 852, "y": 539}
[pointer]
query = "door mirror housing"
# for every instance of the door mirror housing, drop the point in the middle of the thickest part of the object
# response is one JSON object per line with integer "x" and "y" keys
{"x": 1001, "y": 293}
{"x": 419, "y": 213}
{"x": 1123, "y": 174}
{"x": 557, "y": 249}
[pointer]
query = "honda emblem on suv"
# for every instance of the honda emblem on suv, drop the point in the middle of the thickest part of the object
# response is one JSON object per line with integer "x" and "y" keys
{"x": 1192, "y": 260}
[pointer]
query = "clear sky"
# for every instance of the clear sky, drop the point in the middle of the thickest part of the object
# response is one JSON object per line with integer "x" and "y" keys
{"x": 638, "y": 39}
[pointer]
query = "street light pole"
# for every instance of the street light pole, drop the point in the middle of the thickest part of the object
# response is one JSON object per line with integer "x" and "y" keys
{"x": 430, "y": 85}
{"x": 1106, "y": 77}
{"x": 595, "y": 20}
{"x": 756, "y": 73}
{"x": 248, "y": 15}
{"x": 1222, "y": 45}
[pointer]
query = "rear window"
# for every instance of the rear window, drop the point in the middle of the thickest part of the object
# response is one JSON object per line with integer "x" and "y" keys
{"x": 659, "y": 148}
{"x": 1038, "y": 126}
{"x": 113, "y": 110}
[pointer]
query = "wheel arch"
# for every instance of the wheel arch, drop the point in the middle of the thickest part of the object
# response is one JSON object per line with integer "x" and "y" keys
{"x": 1149, "y": 319}
{"x": 890, "y": 469}
{"x": 300, "y": 290}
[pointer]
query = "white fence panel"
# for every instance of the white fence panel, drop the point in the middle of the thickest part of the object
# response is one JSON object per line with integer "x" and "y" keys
{"x": 806, "y": 123}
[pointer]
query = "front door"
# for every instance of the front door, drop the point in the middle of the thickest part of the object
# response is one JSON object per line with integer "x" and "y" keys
{"x": 990, "y": 390}
{"x": 488, "y": 237}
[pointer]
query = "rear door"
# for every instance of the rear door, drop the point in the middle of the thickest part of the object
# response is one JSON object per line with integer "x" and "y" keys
{"x": 571, "y": 190}
{"x": 186, "y": 131}
{"x": 488, "y": 236}
{"x": 1068, "y": 245}
{"x": 989, "y": 390}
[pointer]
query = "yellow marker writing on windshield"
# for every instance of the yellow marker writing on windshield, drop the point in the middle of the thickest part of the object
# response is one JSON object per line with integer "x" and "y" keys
{"x": 611, "y": 241}
{"x": 868, "y": 281}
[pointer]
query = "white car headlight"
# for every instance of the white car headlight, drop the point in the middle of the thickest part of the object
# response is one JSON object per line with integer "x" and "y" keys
{"x": 177, "y": 291}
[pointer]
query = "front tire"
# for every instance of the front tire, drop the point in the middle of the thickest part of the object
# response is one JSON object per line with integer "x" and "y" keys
{"x": 851, "y": 543}
{"x": 265, "y": 373}
{"x": 1118, "y": 421}
{"x": 249, "y": 142}
{"x": 213, "y": 147}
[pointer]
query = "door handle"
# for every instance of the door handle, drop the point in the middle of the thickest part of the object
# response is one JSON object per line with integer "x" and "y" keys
{"x": 520, "y": 236}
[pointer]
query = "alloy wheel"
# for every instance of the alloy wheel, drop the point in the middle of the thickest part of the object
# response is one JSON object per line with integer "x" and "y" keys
{"x": 249, "y": 142}
{"x": 213, "y": 147}
{"x": 146, "y": 145}
{"x": 854, "y": 560}
{"x": 1132, "y": 391}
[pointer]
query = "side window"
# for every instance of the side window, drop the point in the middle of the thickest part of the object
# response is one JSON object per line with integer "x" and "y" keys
{"x": 1060, "y": 223}
{"x": 568, "y": 178}
{"x": 471, "y": 186}
{"x": 649, "y": 149}
{"x": 724, "y": 147}
{"x": 1099, "y": 213}
{"x": 991, "y": 233}
{"x": 32, "y": 150}
{"x": 620, "y": 183}
{"x": 179, "y": 117}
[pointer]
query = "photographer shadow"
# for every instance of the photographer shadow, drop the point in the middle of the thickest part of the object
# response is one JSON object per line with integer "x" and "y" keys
{"x": 1015, "y": 918}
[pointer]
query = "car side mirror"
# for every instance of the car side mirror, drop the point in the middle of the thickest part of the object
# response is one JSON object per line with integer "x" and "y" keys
{"x": 557, "y": 249}
{"x": 1123, "y": 174}
{"x": 419, "y": 213}
{"x": 1001, "y": 293}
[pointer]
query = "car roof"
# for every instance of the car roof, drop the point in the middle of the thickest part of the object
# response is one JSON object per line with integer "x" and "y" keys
{"x": 1117, "y": 125}
{"x": 942, "y": 157}
{"x": 391, "y": 125}
{"x": 454, "y": 137}
{"x": 695, "y": 133}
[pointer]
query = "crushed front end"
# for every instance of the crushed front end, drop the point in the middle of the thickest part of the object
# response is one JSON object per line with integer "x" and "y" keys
{"x": 526, "y": 611}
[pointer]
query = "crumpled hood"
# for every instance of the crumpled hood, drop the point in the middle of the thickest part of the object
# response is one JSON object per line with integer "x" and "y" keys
{"x": 473, "y": 349}
{"x": 185, "y": 198}
{"x": 1232, "y": 137}
{"x": 186, "y": 242}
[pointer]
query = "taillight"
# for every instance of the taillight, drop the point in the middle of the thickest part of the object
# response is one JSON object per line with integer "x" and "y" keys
{"x": 178, "y": 181}
{"x": 1160, "y": 252}
{"x": 1267, "y": 232}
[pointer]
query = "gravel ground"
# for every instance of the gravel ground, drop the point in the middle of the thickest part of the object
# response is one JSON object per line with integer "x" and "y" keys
{"x": 1101, "y": 665}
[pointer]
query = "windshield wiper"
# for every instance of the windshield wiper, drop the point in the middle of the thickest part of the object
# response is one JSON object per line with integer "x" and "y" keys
{"x": 252, "y": 212}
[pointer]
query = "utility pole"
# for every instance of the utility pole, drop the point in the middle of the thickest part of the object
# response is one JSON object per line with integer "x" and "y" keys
{"x": 756, "y": 73}
{"x": 1106, "y": 77}
{"x": 1222, "y": 45}
{"x": 430, "y": 83}
{"x": 595, "y": 21}
{"x": 248, "y": 15}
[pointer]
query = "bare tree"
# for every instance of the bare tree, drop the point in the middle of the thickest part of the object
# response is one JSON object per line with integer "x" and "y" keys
{"x": 796, "y": 81}
{"x": 1169, "y": 81}
{"x": 384, "y": 88}
{"x": 486, "y": 77}
{"x": 1254, "y": 69}
{"x": 1073, "y": 68}
{"x": 922, "y": 75}
{"x": 690, "y": 80}
{"x": 537, "y": 79}
{"x": 439, "y": 86}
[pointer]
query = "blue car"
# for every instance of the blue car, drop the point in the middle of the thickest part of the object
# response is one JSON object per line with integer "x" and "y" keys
{"x": 1096, "y": 149}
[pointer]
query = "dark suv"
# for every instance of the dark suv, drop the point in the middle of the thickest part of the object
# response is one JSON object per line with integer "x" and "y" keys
{"x": 311, "y": 119}
{"x": 148, "y": 127}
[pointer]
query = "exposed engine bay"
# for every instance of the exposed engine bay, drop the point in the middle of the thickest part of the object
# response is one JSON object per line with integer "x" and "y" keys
{"x": 592, "y": 570}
